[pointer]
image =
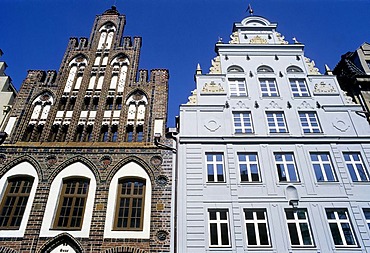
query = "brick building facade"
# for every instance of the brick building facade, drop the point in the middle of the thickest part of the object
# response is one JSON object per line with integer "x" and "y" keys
{"x": 80, "y": 171}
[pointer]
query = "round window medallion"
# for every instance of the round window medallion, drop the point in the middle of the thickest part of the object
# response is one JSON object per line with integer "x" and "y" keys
{"x": 162, "y": 180}
{"x": 156, "y": 160}
{"x": 106, "y": 161}
{"x": 162, "y": 235}
{"x": 51, "y": 160}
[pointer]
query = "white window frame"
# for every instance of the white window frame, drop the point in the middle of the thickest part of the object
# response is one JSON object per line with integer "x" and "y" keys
{"x": 269, "y": 84}
{"x": 214, "y": 163}
{"x": 285, "y": 165}
{"x": 297, "y": 222}
{"x": 244, "y": 118}
{"x": 354, "y": 164}
{"x": 248, "y": 163}
{"x": 310, "y": 122}
{"x": 218, "y": 223}
{"x": 302, "y": 91}
{"x": 256, "y": 221}
{"x": 367, "y": 217}
{"x": 321, "y": 163}
{"x": 339, "y": 223}
{"x": 237, "y": 87}
{"x": 277, "y": 117}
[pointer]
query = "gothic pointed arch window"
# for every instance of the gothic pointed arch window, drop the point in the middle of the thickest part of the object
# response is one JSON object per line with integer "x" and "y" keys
{"x": 107, "y": 32}
{"x": 76, "y": 69}
{"x": 136, "y": 111}
{"x": 120, "y": 66}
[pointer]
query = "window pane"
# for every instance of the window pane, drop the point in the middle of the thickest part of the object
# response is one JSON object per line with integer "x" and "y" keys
{"x": 251, "y": 235}
{"x": 293, "y": 234}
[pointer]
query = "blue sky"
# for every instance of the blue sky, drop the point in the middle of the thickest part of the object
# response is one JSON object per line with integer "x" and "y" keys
{"x": 177, "y": 34}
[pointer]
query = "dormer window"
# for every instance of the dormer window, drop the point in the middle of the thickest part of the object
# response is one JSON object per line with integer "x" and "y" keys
{"x": 264, "y": 69}
{"x": 294, "y": 69}
{"x": 235, "y": 69}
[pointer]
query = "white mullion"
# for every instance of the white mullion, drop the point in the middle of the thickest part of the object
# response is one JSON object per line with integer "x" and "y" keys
{"x": 353, "y": 162}
{"x": 276, "y": 122}
{"x": 338, "y": 222}
{"x": 298, "y": 227}
{"x": 322, "y": 166}
{"x": 218, "y": 222}
{"x": 256, "y": 231}
{"x": 285, "y": 163}
{"x": 248, "y": 163}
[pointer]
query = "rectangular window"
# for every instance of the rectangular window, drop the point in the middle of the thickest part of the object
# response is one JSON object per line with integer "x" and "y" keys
{"x": 72, "y": 202}
{"x": 242, "y": 122}
{"x": 14, "y": 202}
{"x": 356, "y": 167}
{"x": 299, "y": 227}
{"x": 237, "y": 87}
{"x": 268, "y": 87}
{"x": 215, "y": 167}
{"x": 309, "y": 122}
{"x": 248, "y": 166}
{"x": 276, "y": 122}
{"x": 341, "y": 228}
{"x": 323, "y": 167}
{"x": 256, "y": 227}
{"x": 367, "y": 216}
{"x": 299, "y": 88}
{"x": 219, "y": 228}
{"x": 286, "y": 167}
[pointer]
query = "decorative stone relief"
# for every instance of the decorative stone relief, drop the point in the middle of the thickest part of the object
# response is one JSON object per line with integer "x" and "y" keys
{"x": 156, "y": 161}
{"x": 212, "y": 126}
{"x": 240, "y": 105}
{"x": 281, "y": 38}
{"x": 323, "y": 87}
{"x": 162, "y": 181}
{"x": 258, "y": 40}
{"x": 105, "y": 161}
{"x": 273, "y": 105}
{"x": 162, "y": 235}
{"x": 340, "y": 125}
{"x": 51, "y": 160}
{"x": 216, "y": 66}
{"x": 2, "y": 158}
{"x": 212, "y": 88}
{"x": 234, "y": 38}
{"x": 305, "y": 105}
{"x": 192, "y": 100}
{"x": 348, "y": 99}
{"x": 312, "y": 70}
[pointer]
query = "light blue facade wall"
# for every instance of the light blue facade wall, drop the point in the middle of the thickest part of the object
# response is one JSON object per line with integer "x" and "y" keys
{"x": 207, "y": 125}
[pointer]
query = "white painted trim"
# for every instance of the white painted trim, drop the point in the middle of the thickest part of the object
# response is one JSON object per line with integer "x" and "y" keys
{"x": 24, "y": 168}
{"x": 131, "y": 169}
{"x": 77, "y": 169}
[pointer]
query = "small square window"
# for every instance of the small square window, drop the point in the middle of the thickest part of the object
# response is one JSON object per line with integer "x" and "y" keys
{"x": 299, "y": 87}
{"x": 237, "y": 87}
{"x": 276, "y": 122}
{"x": 268, "y": 87}
{"x": 242, "y": 122}
{"x": 309, "y": 122}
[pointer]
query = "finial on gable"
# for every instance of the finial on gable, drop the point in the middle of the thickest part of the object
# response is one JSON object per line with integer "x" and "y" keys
{"x": 250, "y": 10}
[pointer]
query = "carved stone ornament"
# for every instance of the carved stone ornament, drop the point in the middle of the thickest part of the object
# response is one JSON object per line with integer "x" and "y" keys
{"x": 51, "y": 160}
{"x": 212, "y": 126}
{"x": 340, "y": 125}
{"x": 80, "y": 59}
{"x": 281, "y": 38}
{"x": 212, "y": 88}
{"x": 240, "y": 105}
{"x": 156, "y": 161}
{"x": 162, "y": 235}
{"x": 216, "y": 66}
{"x": 273, "y": 105}
{"x": 162, "y": 181}
{"x": 2, "y": 158}
{"x": 312, "y": 70}
{"x": 192, "y": 100}
{"x": 258, "y": 40}
{"x": 234, "y": 38}
{"x": 305, "y": 105}
{"x": 106, "y": 161}
{"x": 324, "y": 88}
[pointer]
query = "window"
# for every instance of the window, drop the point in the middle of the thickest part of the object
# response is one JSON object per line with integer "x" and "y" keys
{"x": 248, "y": 166}
{"x": 264, "y": 69}
{"x": 71, "y": 104}
{"x": 215, "y": 167}
{"x": 130, "y": 204}
{"x": 309, "y": 122}
{"x": 62, "y": 104}
{"x": 79, "y": 132}
{"x": 356, "y": 167}
{"x": 118, "y": 103}
{"x": 299, "y": 88}
{"x": 38, "y": 132}
{"x": 340, "y": 227}
{"x": 276, "y": 122}
{"x": 114, "y": 133}
{"x": 129, "y": 133}
{"x": 268, "y": 87}
{"x": 140, "y": 133}
{"x": 14, "y": 202}
{"x": 71, "y": 205}
{"x": 256, "y": 227}
{"x": 237, "y": 87}
{"x": 54, "y": 133}
{"x": 242, "y": 122}
{"x": 104, "y": 133}
{"x": 88, "y": 135}
{"x": 63, "y": 134}
{"x": 95, "y": 103}
{"x": 323, "y": 167}
{"x": 367, "y": 216}
{"x": 109, "y": 104}
{"x": 28, "y": 133}
{"x": 219, "y": 228}
{"x": 299, "y": 227}
{"x": 286, "y": 168}
{"x": 86, "y": 103}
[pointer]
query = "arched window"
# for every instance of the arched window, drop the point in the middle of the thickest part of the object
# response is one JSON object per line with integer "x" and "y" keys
{"x": 104, "y": 133}
{"x": 109, "y": 103}
{"x": 136, "y": 112}
{"x": 72, "y": 203}
{"x": 54, "y": 132}
{"x": 106, "y": 36}
{"x": 120, "y": 66}
{"x": 130, "y": 204}
{"x": 88, "y": 135}
{"x": 264, "y": 69}
{"x": 41, "y": 108}
{"x": 79, "y": 132}
{"x": 14, "y": 201}
{"x": 77, "y": 67}
{"x": 28, "y": 133}
{"x": 294, "y": 69}
{"x": 235, "y": 69}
